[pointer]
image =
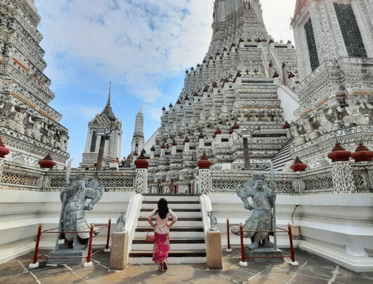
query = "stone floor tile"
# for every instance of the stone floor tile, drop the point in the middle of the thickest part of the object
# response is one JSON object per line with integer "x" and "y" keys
{"x": 304, "y": 279}
{"x": 240, "y": 275}
{"x": 212, "y": 280}
{"x": 25, "y": 278}
{"x": 260, "y": 279}
{"x": 48, "y": 276}
{"x": 111, "y": 278}
{"x": 11, "y": 268}
{"x": 277, "y": 274}
{"x": 192, "y": 275}
{"x": 177, "y": 269}
{"x": 134, "y": 270}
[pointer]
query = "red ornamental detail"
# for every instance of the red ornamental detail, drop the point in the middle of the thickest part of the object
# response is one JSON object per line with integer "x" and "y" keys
{"x": 286, "y": 125}
{"x": 204, "y": 163}
{"x": 3, "y": 150}
{"x": 362, "y": 154}
{"x": 218, "y": 131}
{"x": 152, "y": 149}
{"x": 174, "y": 143}
{"x": 275, "y": 75}
{"x": 298, "y": 166}
{"x": 142, "y": 162}
{"x": 231, "y": 131}
{"x": 186, "y": 140}
{"x": 201, "y": 136}
{"x": 47, "y": 162}
{"x": 339, "y": 154}
{"x": 235, "y": 126}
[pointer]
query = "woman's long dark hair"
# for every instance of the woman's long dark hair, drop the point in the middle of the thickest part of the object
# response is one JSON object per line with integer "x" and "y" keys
{"x": 162, "y": 208}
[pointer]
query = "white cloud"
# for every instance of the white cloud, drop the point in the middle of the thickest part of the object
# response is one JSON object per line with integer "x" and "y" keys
{"x": 134, "y": 43}
{"x": 154, "y": 113}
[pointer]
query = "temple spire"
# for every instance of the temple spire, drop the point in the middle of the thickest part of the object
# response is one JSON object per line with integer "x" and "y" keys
{"x": 108, "y": 111}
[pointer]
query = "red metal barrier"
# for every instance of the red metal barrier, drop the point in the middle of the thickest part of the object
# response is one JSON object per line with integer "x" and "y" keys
{"x": 108, "y": 234}
{"x": 242, "y": 245}
{"x": 90, "y": 244}
{"x": 291, "y": 244}
{"x": 35, "y": 260}
{"x": 228, "y": 237}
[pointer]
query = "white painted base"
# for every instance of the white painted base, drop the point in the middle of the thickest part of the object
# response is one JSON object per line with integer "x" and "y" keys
{"x": 52, "y": 265}
{"x": 88, "y": 264}
{"x": 295, "y": 263}
{"x": 229, "y": 250}
{"x": 33, "y": 265}
{"x": 354, "y": 263}
{"x": 241, "y": 263}
{"x": 107, "y": 250}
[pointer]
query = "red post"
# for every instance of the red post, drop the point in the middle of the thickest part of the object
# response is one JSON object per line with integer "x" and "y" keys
{"x": 242, "y": 245}
{"x": 108, "y": 234}
{"x": 292, "y": 254}
{"x": 90, "y": 244}
{"x": 228, "y": 237}
{"x": 35, "y": 260}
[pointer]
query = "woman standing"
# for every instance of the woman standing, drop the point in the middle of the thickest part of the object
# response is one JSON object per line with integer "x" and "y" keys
{"x": 162, "y": 241}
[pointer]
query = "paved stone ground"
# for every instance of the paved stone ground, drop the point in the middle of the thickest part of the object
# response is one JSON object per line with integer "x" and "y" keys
{"x": 311, "y": 270}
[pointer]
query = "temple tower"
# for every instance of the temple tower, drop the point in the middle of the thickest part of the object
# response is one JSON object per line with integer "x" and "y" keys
{"x": 30, "y": 128}
{"x": 138, "y": 139}
{"x": 334, "y": 40}
{"x": 233, "y": 93}
{"x": 112, "y": 151}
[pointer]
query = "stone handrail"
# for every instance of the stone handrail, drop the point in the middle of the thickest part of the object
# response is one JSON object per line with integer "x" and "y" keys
{"x": 205, "y": 208}
{"x": 132, "y": 216}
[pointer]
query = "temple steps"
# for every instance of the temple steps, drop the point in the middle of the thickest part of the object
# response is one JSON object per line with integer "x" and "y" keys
{"x": 187, "y": 237}
{"x": 283, "y": 157}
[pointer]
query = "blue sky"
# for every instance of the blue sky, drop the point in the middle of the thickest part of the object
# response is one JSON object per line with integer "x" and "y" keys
{"x": 142, "y": 46}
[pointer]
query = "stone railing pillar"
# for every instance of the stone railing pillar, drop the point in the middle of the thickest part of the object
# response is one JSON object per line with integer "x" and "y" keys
{"x": 204, "y": 175}
{"x": 141, "y": 182}
{"x": 2, "y": 163}
{"x": 343, "y": 180}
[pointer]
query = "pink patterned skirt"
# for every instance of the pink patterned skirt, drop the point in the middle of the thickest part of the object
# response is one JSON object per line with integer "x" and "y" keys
{"x": 161, "y": 248}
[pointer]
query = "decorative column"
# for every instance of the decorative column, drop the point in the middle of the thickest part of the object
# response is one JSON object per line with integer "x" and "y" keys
{"x": 343, "y": 180}
{"x": 141, "y": 183}
{"x": 204, "y": 175}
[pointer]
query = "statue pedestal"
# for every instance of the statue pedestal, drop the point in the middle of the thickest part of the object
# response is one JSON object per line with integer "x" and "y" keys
{"x": 68, "y": 257}
{"x": 119, "y": 251}
{"x": 264, "y": 255}
{"x": 214, "y": 250}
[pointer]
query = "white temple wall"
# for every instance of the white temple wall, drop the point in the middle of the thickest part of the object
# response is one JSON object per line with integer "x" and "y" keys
{"x": 22, "y": 211}
{"x": 336, "y": 227}
{"x": 289, "y": 102}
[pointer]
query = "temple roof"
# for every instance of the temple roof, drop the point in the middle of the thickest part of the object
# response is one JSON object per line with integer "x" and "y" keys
{"x": 108, "y": 111}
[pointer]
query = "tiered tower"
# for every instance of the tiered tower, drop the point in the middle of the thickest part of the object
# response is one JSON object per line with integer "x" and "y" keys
{"x": 29, "y": 126}
{"x": 110, "y": 123}
{"x": 233, "y": 91}
{"x": 334, "y": 40}
{"x": 138, "y": 139}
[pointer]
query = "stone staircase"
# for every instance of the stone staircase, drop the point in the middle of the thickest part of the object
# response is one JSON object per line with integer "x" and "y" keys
{"x": 187, "y": 236}
{"x": 283, "y": 157}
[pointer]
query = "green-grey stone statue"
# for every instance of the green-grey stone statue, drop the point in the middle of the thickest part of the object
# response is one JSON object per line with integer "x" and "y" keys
{"x": 261, "y": 218}
{"x": 73, "y": 200}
